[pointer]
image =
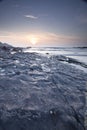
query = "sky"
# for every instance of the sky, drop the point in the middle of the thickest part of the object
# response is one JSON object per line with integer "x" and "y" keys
{"x": 43, "y": 22}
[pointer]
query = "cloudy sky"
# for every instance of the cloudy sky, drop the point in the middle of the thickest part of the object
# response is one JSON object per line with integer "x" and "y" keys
{"x": 43, "y": 22}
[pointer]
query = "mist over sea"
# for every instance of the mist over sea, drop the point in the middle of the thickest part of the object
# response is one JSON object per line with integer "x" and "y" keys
{"x": 77, "y": 53}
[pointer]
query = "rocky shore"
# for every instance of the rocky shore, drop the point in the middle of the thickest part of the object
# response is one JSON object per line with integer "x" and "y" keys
{"x": 39, "y": 92}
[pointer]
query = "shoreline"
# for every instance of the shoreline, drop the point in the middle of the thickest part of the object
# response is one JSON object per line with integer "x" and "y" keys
{"x": 36, "y": 88}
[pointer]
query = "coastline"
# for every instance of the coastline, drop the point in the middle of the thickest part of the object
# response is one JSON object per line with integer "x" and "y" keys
{"x": 37, "y": 88}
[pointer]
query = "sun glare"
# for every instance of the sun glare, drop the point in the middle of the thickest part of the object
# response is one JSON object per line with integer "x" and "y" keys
{"x": 33, "y": 40}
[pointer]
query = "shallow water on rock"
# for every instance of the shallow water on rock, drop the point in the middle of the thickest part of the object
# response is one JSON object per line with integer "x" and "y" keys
{"x": 77, "y": 53}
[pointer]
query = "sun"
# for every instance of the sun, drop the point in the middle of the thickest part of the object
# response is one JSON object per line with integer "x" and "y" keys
{"x": 33, "y": 40}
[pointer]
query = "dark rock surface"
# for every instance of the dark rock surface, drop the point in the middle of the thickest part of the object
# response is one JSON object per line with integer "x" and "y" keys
{"x": 39, "y": 93}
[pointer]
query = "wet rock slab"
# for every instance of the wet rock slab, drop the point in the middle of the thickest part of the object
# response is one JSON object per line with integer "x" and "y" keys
{"x": 39, "y": 92}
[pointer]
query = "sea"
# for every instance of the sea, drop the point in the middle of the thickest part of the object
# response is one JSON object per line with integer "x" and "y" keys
{"x": 77, "y": 53}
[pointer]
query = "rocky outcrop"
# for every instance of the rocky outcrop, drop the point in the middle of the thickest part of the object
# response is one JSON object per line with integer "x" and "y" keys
{"x": 40, "y": 93}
